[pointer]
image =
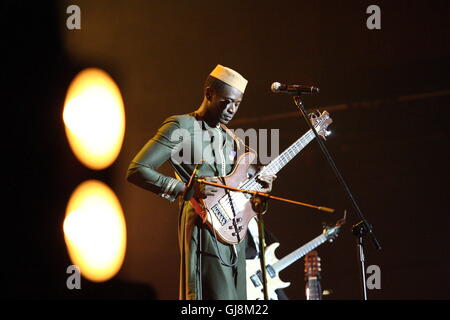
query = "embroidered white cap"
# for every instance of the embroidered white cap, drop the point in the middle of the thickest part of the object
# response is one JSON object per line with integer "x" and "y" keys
{"x": 230, "y": 77}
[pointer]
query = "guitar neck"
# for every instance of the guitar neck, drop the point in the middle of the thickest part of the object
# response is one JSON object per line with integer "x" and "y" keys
{"x": 287, "y": 155}
{"x": 281, "y": 160}
{"x": 313, "y": 289}
{"x": 297, "y": 254}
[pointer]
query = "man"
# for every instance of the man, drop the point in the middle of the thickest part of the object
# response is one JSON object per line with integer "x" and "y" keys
{"x": 209, "y": 269}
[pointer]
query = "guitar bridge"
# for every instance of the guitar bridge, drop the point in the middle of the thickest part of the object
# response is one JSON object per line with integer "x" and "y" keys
{"x": 219, "y": 215}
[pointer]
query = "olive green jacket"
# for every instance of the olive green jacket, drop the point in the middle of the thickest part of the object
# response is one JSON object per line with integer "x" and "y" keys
{"x": 185, "y": 141}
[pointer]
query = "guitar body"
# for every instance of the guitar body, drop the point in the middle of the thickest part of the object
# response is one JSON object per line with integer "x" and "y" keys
{"x": 217, "y": 212}
{"x": 254, "y": 282}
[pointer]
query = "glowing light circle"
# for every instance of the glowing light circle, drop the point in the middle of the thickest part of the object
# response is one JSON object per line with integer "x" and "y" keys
{"x": 94, "y": 118}
{"x": 95, "y": 230}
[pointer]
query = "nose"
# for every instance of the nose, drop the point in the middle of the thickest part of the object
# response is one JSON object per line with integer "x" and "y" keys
{"x": 232, "y": 109}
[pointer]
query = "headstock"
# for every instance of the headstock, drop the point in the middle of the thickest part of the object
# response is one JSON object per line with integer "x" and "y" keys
{"x": 321, "y": 121}
{"x": 312, "y": 264}
{"x": 331, "y": 233}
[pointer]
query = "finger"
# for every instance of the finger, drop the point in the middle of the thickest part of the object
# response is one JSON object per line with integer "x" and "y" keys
{"x": 265, "y": 181}
{"x": 270, "y": 177}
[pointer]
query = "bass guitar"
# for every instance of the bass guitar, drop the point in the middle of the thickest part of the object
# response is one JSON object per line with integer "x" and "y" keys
{"x": 226, "y": 213}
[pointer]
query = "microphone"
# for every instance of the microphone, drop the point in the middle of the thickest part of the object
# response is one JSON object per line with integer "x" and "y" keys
{"x": 189, "y": 191}
{"x": 296, "y": 89}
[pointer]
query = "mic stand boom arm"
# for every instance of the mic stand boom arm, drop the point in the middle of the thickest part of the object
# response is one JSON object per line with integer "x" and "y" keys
{"x": 362, "y": 227}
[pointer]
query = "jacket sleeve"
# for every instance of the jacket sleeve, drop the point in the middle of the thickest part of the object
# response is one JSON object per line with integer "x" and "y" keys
{"x": 142, "y": 170}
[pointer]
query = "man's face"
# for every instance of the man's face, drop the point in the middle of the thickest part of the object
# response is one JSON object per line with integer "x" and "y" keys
{"x": 225, "y": 103}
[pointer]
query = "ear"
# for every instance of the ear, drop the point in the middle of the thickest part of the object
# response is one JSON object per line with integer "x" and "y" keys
{"x": 208, "y": 93}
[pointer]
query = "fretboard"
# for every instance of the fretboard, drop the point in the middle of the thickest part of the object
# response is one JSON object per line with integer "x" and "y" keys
{"x": 313, "y": 289}
{"x": 300, "y": 252}
{"x": 287, "y": 155}
{"x": 281, "y": 160}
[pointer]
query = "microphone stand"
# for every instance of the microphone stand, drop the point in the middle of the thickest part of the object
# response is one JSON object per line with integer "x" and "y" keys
{"x": 361, "y": 228}
{"x": 259, "y": 205}
{"x": 265, "y": 197}
{"x": 262, "y": 252}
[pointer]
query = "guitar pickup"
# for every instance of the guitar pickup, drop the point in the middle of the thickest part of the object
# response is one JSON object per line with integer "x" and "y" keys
{"x": 255, "y": 280}
{"x": 270, "y": 271}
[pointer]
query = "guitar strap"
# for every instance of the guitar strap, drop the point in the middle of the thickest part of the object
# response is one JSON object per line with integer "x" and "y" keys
{"x": 239, "y": 143}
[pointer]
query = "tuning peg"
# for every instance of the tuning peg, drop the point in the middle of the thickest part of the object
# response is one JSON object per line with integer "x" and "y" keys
{"x": 327, "y": 132}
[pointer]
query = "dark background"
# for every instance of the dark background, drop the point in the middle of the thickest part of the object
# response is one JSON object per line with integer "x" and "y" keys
{"x": 387, "y": 91}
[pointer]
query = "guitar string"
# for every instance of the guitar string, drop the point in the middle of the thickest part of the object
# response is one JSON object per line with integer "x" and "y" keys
{"x": 278, "y": 162}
